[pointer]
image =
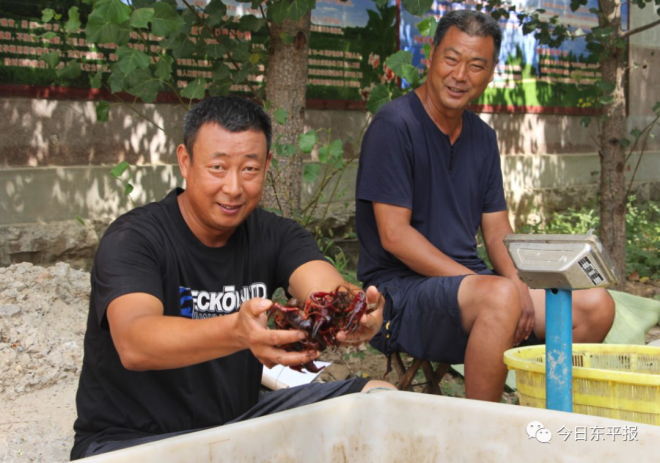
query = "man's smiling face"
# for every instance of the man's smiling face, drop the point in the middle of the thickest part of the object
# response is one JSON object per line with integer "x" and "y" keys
{"x": 224, "y": 180}
{"x": 460, "y": 69}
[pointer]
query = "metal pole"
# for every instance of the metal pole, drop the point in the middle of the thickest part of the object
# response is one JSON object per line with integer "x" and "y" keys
{"x": 558, "y": 350}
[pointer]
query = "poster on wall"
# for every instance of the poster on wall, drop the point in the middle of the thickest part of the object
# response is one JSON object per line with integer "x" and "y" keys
{"x": 529, "y": 77}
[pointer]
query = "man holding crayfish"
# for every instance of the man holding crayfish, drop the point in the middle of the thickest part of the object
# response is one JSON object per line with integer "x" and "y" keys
{"x": 176, "y": 333}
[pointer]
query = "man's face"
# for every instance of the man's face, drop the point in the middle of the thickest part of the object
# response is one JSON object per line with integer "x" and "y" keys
{"x": 460, "y": 69}
{"x": 224, "y": 180}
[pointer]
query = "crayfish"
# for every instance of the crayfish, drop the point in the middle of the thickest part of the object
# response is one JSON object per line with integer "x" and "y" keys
{"x": 322, "y": 316}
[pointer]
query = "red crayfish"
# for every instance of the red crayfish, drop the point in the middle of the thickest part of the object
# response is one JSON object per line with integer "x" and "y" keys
{"x": 322, "y": 316}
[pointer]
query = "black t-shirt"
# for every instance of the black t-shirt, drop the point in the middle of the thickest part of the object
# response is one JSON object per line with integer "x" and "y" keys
{"x": 407, "y": 161}
{"x": 152, "y": 250}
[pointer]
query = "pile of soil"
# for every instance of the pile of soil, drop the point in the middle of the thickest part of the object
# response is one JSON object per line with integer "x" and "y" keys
{"x": 42, "y": 323}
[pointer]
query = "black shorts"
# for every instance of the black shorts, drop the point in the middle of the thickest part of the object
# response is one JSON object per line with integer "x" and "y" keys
{"x": 422, "y": 318}
{"x": 270, "y": 402}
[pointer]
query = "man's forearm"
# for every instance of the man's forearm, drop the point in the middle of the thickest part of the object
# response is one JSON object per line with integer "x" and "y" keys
{"x": 156, "y": 342}
{"x": 417, "y": 253}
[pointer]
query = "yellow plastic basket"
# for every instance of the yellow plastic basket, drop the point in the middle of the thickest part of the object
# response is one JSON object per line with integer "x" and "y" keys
{"x": 612, "y": 380}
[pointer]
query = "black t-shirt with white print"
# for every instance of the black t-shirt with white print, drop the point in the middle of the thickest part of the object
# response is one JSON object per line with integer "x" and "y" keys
{"x": 152, "y": 250}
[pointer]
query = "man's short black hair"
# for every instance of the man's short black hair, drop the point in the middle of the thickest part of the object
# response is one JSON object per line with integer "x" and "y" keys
{"x": 232, "y": 113}
{"x": 472, "y": 23}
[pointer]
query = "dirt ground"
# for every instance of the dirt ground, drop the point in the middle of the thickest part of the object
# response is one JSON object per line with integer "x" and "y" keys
{"x": 42, "y": 321}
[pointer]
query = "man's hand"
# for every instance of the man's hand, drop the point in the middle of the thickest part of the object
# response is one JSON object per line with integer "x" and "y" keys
{"x": 369, "y": 323}
{"x": 263, "y": 342}
{"x": 526, "y": 322}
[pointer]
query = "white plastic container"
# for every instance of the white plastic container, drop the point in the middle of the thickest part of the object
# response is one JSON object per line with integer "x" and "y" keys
{"x": 391, "y": 426}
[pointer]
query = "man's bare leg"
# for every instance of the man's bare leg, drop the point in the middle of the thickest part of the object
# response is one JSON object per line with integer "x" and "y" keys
{"x": 490, "y": 309}
{"x": 593, "y": 314}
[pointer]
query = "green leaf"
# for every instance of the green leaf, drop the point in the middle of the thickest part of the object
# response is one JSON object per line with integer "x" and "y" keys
{"x": 378, "y": 97}
{"x": 128, "y": 188}
{"x": 411, "y": 74}
{"x": 117, "y": 80}
{"x": 47, "y": 14}
{"x": 426, "y": 50}
{"x": 51, "y": 58}
{"x": 417, "y": 7}
{"x": 102, "y": 111}
{"x": 219, "y": 88}
{"x": 70, "y": 71}
{"x": 307, "y": 140}
{"x": 298, "y": 8}
{"x": 251, "y": 23}
{"x": 114, "y": 11}
{"x": 427, "y": 26}
{"x": 48, "y": 35}
{"x": 336, "y": 149}
{"x": 131, "y": 59}
{"x": 183, "y": 48}
{"x": 280, "y": 115}
{"x": 163, "y": 68}
{"x": 255, "y": 58}
{"x": 73, "y": 23}
{"x": 119, "y": 169}
{"x": 216, "y": 50}
{"x": 96, "y": 80}
{"x": 216, "y": 11}
{"x": 398, "y": 60}
{"x": 141, "y": 17}
{"x": 100, "y": 30}
{"x": 166, "y": 20}
{"x": 285, "y": 149}
{"x": 221, "y": 71}
{"x": 277, "y": 11}
{"x": 286, "y": 39}
{"x": 324, "y": 154}
{"x": 195, "y": 89}
{"x": 108, "y": 22}
{"x": 311, "y": 172}
{"x": 143, "y": 85}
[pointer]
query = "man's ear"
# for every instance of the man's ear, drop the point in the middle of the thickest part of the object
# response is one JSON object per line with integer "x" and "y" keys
{"x": 184, "y": 159}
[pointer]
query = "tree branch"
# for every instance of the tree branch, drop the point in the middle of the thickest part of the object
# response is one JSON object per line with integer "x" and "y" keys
{"x": 640, "y": 29}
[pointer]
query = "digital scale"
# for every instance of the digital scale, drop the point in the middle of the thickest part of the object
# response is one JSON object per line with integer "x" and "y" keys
{"x": 559, "y": 264}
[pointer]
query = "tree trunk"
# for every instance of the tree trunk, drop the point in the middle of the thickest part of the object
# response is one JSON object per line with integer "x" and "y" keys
{"x": 611, "y": 150}
{"x": 286, "y": 83}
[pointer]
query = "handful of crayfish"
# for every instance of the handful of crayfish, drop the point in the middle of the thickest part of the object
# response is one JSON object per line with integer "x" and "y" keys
{"x": 322, "y": 316}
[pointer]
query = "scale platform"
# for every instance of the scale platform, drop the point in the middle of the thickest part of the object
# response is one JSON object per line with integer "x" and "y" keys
{"x": 560, "y": 261}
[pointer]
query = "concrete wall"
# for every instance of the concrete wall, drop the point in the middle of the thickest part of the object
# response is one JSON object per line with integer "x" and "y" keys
{"x": 56, "y": 159}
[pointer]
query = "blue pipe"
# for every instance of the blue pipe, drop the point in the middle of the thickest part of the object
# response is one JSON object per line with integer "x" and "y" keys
{"x": 558, "y": 350}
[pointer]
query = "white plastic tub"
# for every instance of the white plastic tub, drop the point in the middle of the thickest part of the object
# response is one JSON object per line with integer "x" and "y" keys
{"x": 390, "y": 426}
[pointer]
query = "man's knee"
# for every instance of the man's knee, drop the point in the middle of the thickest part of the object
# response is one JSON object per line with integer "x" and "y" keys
{"x": 377, "y": 384}
{"x": 594, "y": 309}
{"x": 489, "y": 300}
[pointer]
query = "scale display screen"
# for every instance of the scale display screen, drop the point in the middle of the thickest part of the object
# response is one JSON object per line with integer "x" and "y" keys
{"x": 560, "y": 261}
